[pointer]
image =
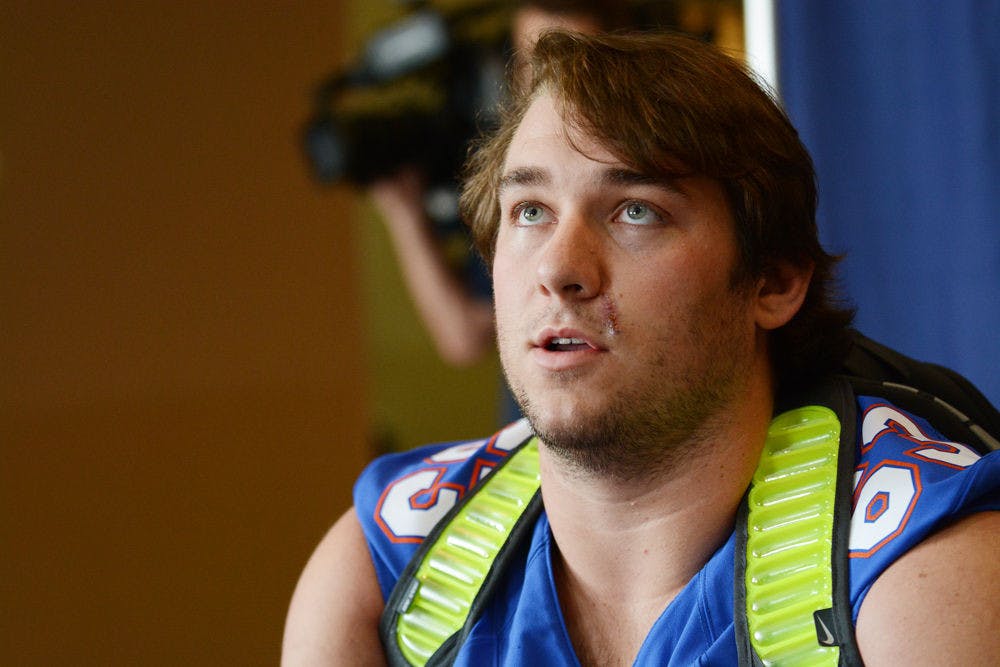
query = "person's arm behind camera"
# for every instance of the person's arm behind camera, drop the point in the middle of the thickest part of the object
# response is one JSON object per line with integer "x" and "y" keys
{"x": 459, "y": 323}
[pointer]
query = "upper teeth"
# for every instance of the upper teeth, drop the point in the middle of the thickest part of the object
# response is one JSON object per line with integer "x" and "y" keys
{"x": 567, "y": 341}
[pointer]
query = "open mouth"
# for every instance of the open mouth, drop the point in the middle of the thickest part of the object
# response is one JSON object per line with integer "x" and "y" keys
{"x": 567, "y": 345}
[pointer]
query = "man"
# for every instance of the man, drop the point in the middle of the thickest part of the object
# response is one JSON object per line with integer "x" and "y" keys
{"x": 648, "y": 213}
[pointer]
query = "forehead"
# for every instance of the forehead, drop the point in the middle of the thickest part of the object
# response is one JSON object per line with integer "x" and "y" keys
{"x": 545, "y": 126}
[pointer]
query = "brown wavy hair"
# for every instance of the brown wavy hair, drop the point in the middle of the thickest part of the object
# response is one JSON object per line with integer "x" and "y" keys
{"x": 670, "y": 105}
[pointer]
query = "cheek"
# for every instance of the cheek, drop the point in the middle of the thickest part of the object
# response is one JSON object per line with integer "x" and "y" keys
{"x": 511, "y": 259}
{"x": 505, "y": 288}
{"x": 686, "y": 286}
{"x": 701, "y": 266}
{"x": 663, "y": 284}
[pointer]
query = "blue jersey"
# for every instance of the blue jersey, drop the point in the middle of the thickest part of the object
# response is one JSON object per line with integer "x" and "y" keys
{"x": 908, "y": 483}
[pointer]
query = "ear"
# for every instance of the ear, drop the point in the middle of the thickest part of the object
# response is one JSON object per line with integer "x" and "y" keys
{"x": 780, "y": 294}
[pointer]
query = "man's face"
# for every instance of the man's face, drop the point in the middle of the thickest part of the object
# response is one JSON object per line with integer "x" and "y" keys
{"x": 617, "y": 320}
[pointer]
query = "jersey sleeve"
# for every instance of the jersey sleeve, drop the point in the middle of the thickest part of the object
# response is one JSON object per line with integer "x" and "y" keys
{"x": 909, "y": 483}
{"x": 399, "y": 498}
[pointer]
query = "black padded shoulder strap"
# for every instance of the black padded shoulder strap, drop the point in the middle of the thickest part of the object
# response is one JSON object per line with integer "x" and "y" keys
{"x": 946, "y": 398}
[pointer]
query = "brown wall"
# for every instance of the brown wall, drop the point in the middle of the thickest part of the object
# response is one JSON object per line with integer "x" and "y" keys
{"x": 181, "y": 359}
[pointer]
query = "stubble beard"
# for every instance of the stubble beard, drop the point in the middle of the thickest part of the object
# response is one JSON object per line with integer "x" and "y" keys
{"x": 656, "y": 424}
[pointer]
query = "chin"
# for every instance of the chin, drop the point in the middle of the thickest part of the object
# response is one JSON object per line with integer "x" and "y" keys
{"x": 561, "y": 408}
{"x": 627, "y": 435}
{"x": 568, "y": 422}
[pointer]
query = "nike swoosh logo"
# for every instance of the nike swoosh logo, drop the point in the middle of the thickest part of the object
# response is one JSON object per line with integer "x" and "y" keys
{"x": 823, "y": 634}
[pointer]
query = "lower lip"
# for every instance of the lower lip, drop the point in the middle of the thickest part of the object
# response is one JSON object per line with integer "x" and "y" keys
{"x": 560, "y": 361}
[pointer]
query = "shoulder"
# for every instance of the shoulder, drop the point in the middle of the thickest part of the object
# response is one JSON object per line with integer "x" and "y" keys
{"x": 334, "y": 613}
{"x": 925, "y": 533}
{"x": 399, "y": 498}
{"x": 909, "y": 482}
{"x": 935, "y": 605}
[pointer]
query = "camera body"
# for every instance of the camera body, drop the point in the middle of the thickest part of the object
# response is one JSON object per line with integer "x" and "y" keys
{"x": 421, "y": 90}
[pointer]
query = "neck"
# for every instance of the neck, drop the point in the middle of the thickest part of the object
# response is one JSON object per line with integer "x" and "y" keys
{"x": 649, "y": 535}
{"x": 690, "y": 494}
{"x": 627, "y": 545}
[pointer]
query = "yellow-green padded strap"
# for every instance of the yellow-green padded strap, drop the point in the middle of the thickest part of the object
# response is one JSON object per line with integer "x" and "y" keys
{"x": 789, "y": 538}
{"x": 455, "y": 567}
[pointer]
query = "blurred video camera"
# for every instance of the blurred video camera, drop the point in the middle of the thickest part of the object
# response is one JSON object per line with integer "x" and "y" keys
{"x": 421, "y": 89}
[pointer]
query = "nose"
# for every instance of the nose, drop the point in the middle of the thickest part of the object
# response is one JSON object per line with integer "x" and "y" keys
{"x": 570, "y": 265}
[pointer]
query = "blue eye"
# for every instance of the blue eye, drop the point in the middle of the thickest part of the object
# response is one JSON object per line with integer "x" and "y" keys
{"x": 531, "y": 214}
{"x": 638, "y": 213}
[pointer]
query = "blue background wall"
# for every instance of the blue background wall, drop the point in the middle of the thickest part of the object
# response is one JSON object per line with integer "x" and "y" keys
{"x": 899, "y": 103}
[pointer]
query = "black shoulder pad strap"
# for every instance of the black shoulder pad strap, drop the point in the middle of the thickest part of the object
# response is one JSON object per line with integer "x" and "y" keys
{"x": 407, "y": 585}
{"x": 947, "y": 418}
{"x": 746, "y": 655}
{"x": 843, "y": 402}
{"x": 869, "y": 361}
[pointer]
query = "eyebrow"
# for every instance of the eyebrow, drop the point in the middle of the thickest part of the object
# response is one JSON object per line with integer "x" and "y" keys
{"x": 530, "y": 176}
{"x": 619, "y": 176}
{"x": 524, "y": 176}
